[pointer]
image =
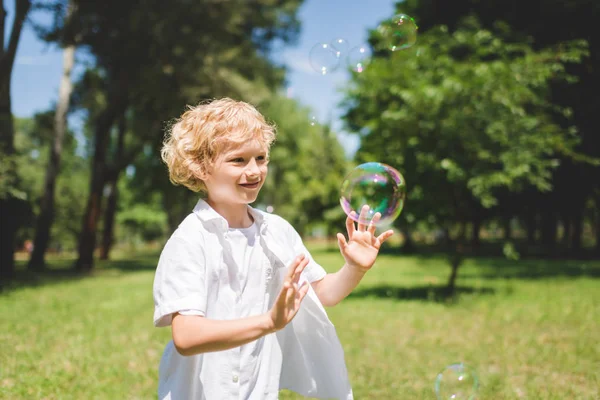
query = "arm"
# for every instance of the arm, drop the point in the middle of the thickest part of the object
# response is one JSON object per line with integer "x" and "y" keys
{"x": 360, "y": 253}
{"x": 333, "y": 288}
{"x": 194, "y": 335}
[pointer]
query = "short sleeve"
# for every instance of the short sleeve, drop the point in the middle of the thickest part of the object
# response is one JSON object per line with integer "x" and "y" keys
{"x": 179, "y": 282}
{"x": 313, "y": 271}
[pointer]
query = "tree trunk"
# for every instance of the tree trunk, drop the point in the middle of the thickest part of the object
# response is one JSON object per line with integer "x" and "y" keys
{"x": 549, "y": 230}
{"x": 455, "y": 258}
{"x": 113, "y": 196}
{"x": 566, "y": 222}
{"x": 597, "y": 227}
{"x": 455, "y": 263}
{"x": 577, "y": 230}
{"x": 531, "y": 222}
{"x": 10, "y": 205}
{"x": 177, "y": 203}
{"x": 173, "y": 219}
{"x": 116, "y": 106}
{"x": 46, "y": 217}
{"x": 507, "y": 227}
{"x": 109, "y": 220}
{"x": 475, "y": 234}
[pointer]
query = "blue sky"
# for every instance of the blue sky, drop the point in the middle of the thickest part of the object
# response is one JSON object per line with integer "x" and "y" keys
{"x": 37, "y": 68}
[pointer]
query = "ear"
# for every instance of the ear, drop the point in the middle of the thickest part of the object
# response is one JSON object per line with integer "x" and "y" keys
{"x": 199, "y": 171}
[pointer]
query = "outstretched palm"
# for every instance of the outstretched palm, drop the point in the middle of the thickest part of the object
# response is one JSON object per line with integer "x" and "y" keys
{"x": 362, "y": 246}
{"x": 291, "y": 295}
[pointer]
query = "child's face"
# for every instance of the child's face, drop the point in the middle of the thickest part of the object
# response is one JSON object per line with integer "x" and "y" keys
{"x": 238, "y": 174}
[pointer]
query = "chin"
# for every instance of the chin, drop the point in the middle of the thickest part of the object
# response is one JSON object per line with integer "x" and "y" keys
{"x": 250, "y": 200}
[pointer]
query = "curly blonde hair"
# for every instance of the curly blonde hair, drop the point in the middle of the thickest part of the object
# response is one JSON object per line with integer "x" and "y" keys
{"x": 194, "y": 141}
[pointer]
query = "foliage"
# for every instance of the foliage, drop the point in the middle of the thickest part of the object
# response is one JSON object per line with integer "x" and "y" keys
{"x": 33, "y": 137}
{"x": 551, "y": 25}
{"x": 307, "y": 165}
{"x": 143, "y": 221}
{"x": 462, "y": 116}
{"x": 139, "y": 221}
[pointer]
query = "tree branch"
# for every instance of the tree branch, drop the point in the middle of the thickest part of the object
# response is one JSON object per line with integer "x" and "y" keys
{"x": 3, "y": 15}
{"x": 8, "y": 57}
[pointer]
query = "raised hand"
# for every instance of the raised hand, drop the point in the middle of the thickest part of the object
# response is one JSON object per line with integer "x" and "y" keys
{"x": 362, "y": 246}
{"x": 289, "y": 299}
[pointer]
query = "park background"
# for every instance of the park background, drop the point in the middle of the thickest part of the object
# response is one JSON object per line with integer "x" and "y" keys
{"x": 490, "y": 117}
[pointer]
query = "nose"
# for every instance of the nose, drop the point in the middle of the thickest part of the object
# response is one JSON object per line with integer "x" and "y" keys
{"x": 252, "y": 169}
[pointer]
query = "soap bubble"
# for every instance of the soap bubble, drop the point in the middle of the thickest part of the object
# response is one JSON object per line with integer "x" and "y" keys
{"x": 457, "y": 382}
{"x": 323, "y": 58}
{"x": 358, "y": 58}
{"x": 340, "y": 46}
{"x": 379, "y": 186}
{"x": 399, "y": 33}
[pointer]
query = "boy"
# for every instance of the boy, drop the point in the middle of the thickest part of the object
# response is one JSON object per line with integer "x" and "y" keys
{"x": 243, "y": 296}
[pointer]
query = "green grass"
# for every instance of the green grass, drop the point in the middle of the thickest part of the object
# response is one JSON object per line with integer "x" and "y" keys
{"x": 530, "y": 329}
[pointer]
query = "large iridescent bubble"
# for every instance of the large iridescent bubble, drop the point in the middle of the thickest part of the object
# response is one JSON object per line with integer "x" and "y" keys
{"x": 457, "y": 382}
{"x": 400, "y": 32}
{"x": 379, "y": 186}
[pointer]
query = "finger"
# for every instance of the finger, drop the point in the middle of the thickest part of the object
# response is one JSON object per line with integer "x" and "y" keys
{"x": 385, "y": 236}
{"x": 299, "y": 270}
{"x": 282, "y": 298}
{"x": 290, "y": 294}
{"x": 302, "y": 265}
{"x": 302, "y": 291}
{"x": 350, "y": 224}
{"x": 341, "y": 241}
{"x": 375, "y": 220}
{"x": 294, "y": 265}
{"x": 362, "y": 218}
{"x": 293, "y": 297}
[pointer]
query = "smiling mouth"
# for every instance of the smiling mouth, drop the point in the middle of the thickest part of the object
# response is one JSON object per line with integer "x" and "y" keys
{"x": 250, "y": 185}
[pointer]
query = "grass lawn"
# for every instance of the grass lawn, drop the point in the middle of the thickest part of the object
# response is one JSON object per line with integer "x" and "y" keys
{"x": 531, "y": 330}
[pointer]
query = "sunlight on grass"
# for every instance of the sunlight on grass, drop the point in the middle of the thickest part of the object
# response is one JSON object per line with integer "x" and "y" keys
{"x": 530, "y": 329}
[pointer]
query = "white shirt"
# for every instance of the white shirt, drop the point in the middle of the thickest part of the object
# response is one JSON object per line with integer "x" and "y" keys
{"x": 196, "y": 272}
{"x": 246, "y": 250}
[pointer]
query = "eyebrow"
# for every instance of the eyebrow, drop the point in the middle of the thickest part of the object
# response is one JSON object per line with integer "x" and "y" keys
{"x": 238, "y": 153}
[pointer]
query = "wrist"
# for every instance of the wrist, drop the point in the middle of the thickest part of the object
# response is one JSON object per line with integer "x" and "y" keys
{"x": 356, "y": 269}
{"x": 267, "y": 324}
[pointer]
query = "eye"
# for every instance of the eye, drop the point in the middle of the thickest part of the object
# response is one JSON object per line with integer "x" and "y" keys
{"x": 237, "y": 160}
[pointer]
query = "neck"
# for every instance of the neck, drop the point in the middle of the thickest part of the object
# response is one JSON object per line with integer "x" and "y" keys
{"x": 237, "y": 216}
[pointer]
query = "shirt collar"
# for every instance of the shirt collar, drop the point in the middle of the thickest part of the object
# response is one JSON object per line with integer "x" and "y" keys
{"x": 208, "y": 214}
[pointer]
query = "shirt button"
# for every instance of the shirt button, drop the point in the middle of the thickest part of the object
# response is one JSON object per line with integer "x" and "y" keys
{"x": 235, "y": 379}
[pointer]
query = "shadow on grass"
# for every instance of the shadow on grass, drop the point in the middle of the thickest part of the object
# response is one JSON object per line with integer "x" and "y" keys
{"x": 61, "y": 270}
{"x": 538, "y": 269}
{"x": 132, "y": 265}
{"x": 436, "y": 294}
{"x": 29, "y": 279}
{"x": 493, "y": 266}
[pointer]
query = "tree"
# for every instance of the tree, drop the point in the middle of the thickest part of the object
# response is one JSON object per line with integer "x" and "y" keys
{"x": 174, "y": 43}
{"x": 46, "y": 216}
{"x": 544, "y": 25}
{"x": 464, "y": 119}
{"x": 33, "y": 142}
{"x": 10, "y": 202}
